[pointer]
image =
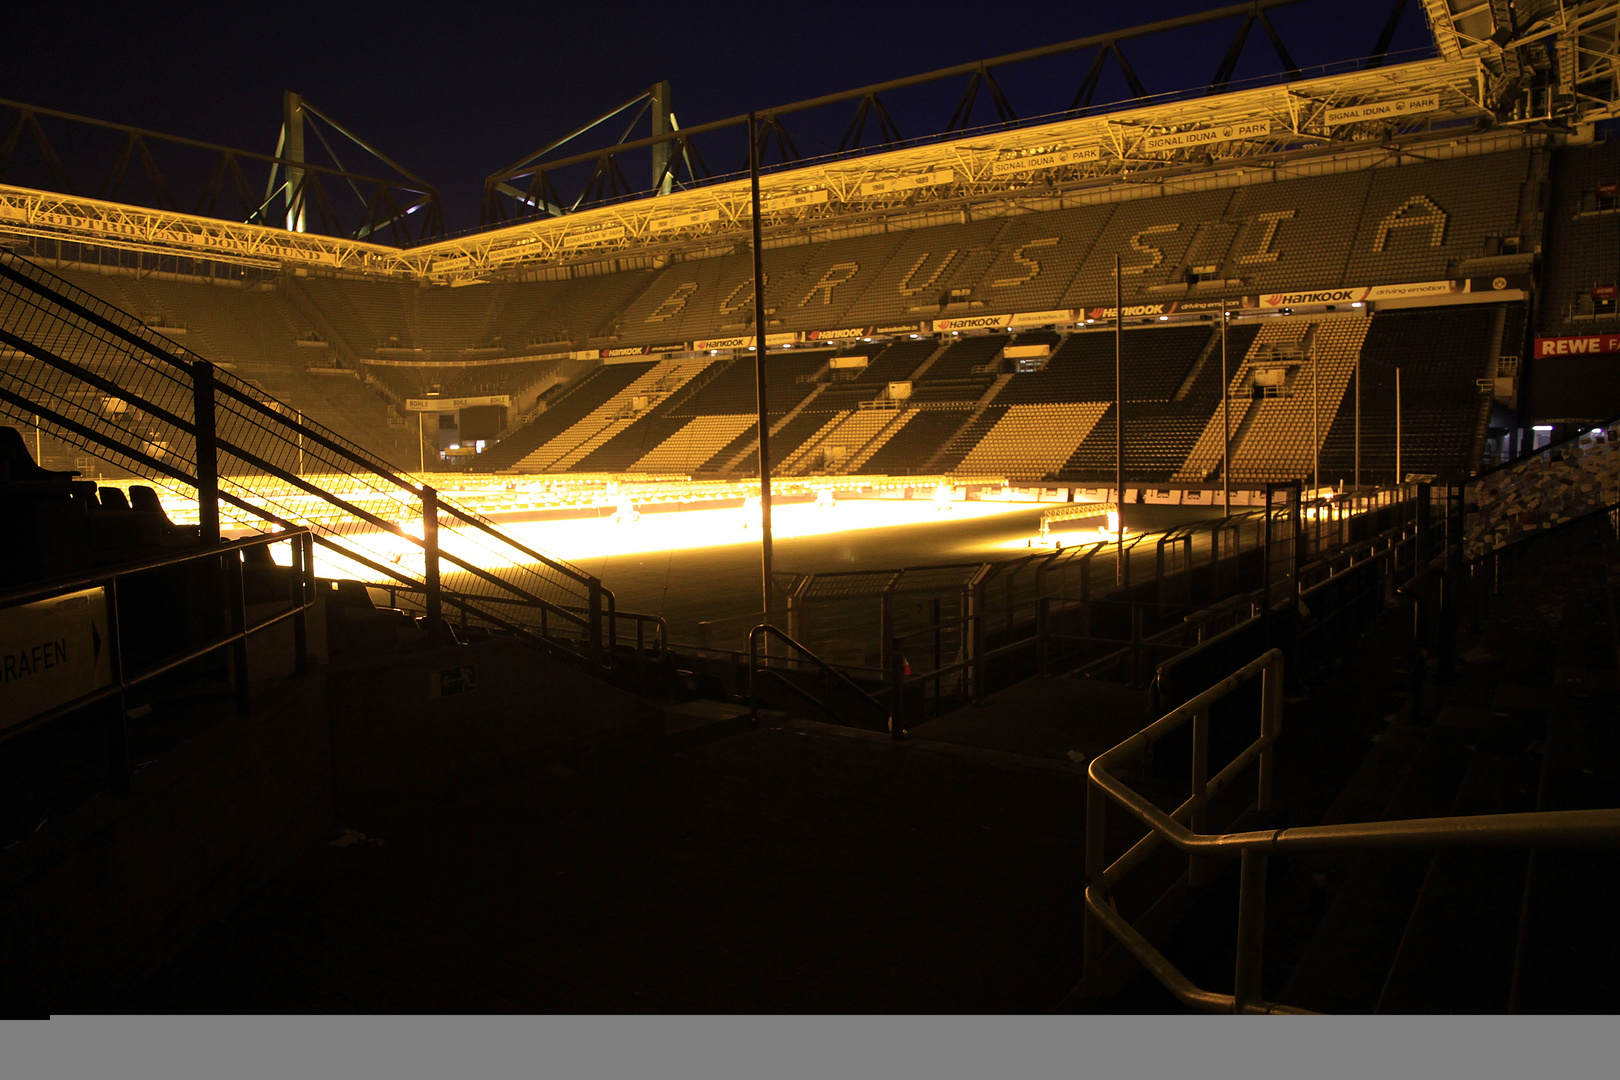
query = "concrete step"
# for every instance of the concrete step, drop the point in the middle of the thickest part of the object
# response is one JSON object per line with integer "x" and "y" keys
{"x": 1344, "y": 967}
{"x": 1457, "y": 952}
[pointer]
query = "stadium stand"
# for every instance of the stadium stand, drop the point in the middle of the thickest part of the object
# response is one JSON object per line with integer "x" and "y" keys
{"x": 1156, "y": 362}
{"x": 1422, "y": 221}
{"x": 580, "y": 399}
{"x": 1152, "y": 237}
{"x": 898, "y": 361}
{"x": 920, "y": 440}
{"x": 256, "y": 333}
{"x": 693, "y": 443}
{"x": 732, "y": 391}
{"x": 1441, "y": 352}
{"x": 841, "y": 445}
{"x": 1289, "y": 233}
{"x": 963, "y": 371}
{"x": 653, "y": 419}
{"x": 966, "y": 437}
{"x": 452, "y": 382}
{"x": 1031, "y": 440}
{"x": 1036, "y": 258}
{"x": 928, "y": 264}
{"x": 612, "y": 416}
{"x": 740, "y": 455}
{"x": 1277, "y": 436}
{"x": 1408, "y": 222}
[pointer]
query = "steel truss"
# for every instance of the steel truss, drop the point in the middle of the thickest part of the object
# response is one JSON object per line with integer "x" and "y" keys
{"x": 1145, "y": 145}
{"x": 1556, "y": 61}
{"x": 285, "y": 188}
{"x": 1015, "y": 165}
{"x": 534, "y": 185}
{"x": 1034, "y": 163}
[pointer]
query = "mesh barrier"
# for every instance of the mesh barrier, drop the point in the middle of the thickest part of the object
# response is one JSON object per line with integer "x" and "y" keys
{"x": 1547, "y": 488}
{"x": 101, "y": 380}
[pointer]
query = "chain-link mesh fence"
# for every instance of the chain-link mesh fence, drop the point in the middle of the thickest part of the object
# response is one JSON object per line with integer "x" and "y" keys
{"x": 101, "y": 380}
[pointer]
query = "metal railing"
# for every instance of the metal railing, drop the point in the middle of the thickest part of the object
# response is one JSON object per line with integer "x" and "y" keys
{"x": 830, "y": 675}
{"x": 1078, "y": 611}
{"x": 100, "y": 380}
{"x": 1183, "y": 829}
{"x": 649, "y": 632}
{"x": 227, "y": 562}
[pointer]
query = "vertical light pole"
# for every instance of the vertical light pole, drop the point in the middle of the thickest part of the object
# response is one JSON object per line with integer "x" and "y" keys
{"x": 1226, "y": 420}
{"x": 1316, "y": 421}
{"x": 421, "y": 446}
{"x": 1119, "y": 421}
{"x": 759, "y": 374}
{"x": 1399, "y": 475}
{"x": 1356, "y": 478}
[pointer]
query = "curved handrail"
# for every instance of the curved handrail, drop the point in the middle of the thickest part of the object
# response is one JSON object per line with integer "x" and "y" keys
{"x": 1182, "y": 828}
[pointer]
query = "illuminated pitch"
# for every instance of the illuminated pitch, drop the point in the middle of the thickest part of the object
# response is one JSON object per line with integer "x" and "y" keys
{"x": 588, "y": 518}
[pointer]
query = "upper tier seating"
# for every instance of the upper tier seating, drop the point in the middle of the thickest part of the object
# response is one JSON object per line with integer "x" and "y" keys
{"x": 1441, "y": 352}
{"x": 1031, "y": 440}
{"x": 924, "y": 435}
{"x": 733, "y": 390}
{"x": 580, "y": 399}
{"x": 1155, "y": 363}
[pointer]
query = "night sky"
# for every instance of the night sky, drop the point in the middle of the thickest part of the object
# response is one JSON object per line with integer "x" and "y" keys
{"x": 455, "y": 92}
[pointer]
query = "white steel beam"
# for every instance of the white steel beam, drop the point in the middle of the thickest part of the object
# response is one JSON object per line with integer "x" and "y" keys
{"x": 1141, "y": 145}
{"x": 47, "y": 215}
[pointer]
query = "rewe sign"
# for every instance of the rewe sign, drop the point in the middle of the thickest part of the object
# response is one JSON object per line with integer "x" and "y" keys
{"x": 1588, "y": 345}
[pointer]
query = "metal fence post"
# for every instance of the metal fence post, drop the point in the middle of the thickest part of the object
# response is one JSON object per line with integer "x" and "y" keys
{"x": 1096, "y": 935}
{"x": 1136, "y": 644}
{"x": 1448, "y": 628}
{"x": 234, "y": 581}
{"x": 431, "y": 600}
{"x": 1271, "y": 704}
{"x": 118, "y": 719}
{"x": 1251, "y": 940}
{"x": 1421, "y": 510}
{"x": 1042, "y": 621}
{"x": 202, "y": 416}
{"x": 976, "y": 636}
{"x": 1200, "y": 869}
{"x": 897, "y": 691}
{"x": 300, "y": 557}
{"x": 886, "y": 640}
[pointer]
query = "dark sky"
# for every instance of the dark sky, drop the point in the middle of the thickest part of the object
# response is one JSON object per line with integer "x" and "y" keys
{"x": 455, "y": 92}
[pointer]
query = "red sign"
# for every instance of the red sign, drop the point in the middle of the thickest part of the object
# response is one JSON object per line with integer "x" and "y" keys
{"x": 1604, "y": 292}
{"x": 1608, "y": 191}
{"x": 1589, "y": 345}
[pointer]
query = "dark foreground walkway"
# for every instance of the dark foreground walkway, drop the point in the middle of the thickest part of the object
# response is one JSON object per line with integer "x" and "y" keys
{"x": 802, "y": 868}
{"x": 784, "y": 870}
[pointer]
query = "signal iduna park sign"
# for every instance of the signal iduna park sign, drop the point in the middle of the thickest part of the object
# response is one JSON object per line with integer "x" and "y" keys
{"x": 1584, "y": 345}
